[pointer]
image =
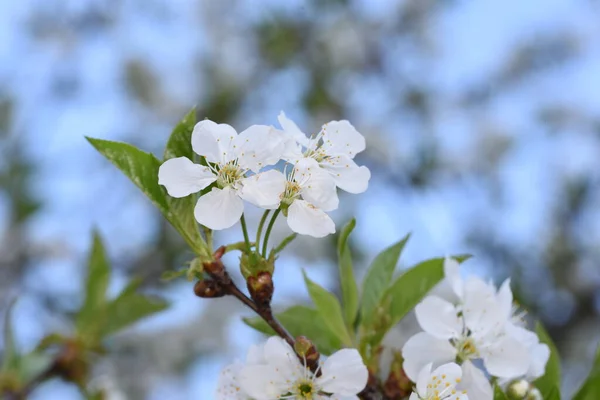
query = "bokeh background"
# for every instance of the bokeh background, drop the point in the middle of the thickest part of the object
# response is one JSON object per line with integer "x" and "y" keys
{"x": 483, "y": 127}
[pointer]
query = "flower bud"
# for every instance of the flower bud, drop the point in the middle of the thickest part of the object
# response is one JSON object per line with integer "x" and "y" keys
{"x": 219, "y": 252}
{"x": 534, "y": 394}
{"x": 397, "y": 385}
{"x": 71, "y": 364}
{"x": 209, "y": 289}
{"x": 215, "y": 269}
{"x": 252, "y": 264}
{"x": 261, "y": 289}
{"x": 522, "y": 390}
{"x": 307, "y": 351}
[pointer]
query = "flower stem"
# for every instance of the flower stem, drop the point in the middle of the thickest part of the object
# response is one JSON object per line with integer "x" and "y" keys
{"x": 245, "y": 230}
{"x": 269, "y": 229}
{"x": 260, "y": 228}
{"x": 284, "y": 243}
{"x": 208, "y": 233}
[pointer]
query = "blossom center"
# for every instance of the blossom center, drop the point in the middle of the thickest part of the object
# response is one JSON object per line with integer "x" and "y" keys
{"x": 228, "y": 175}
{"x": 292, "y": 191}
{"x": 440, "y": 388}
{"x": 305, "y": 390}
{"x": 318, "y": 154}
{"x": 466, "y": 349}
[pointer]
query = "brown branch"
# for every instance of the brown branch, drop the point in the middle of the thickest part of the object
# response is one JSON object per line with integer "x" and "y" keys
{"x": 52, "y": 371}
{"x": 261, "y": 290}
{"x": 264, "y": 312}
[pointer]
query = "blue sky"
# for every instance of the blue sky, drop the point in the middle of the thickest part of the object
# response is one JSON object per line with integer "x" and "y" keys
{"x": 469, "y": 43}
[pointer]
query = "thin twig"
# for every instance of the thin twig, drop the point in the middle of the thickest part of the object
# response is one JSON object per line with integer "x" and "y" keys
{"x": 265, "y": 313}
{"x": 52, "y": 371}
{"x": 218, "y": 272}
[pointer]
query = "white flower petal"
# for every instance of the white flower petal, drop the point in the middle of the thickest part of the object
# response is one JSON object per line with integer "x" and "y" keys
{"x": 505, "y": 358}
{"x": 264, "y": 189}
{"x": 256, "y": 355}
{"x": 306, "y": 219}
{"x": 259, "y": 146}
{"x": 344, "y": 373}
{"x": 445, "y": 378}
{"x": 279, "y": 352}
{"x": 213, "y": 141}
{"x": 340, "y": 137}
{"x": 525, "y": 336}
{"x": 481, "y": 310}
{"x": 423, "y": 380}
{"x": 452, "y": 274}
{"x": 181, "y": 177}
{"x": 475, "y": 383}
{"x": 280, "y": 355}
{"x": 347, "y": 175}
{"x": 422, "y": 349}
{"x": 291, "y": 128}
{"x": 262, "y": 382}
{"x": 539, "y": 355}
{"x": 219, "y": 209}
{"x": 414, "y": 396}
{"x": 452, "y": 371}
{"x": 439, "y": 318}
{"x": 228, "y": 386}
{"x": 317, "y": 186}
{"x": 505, "y": 299}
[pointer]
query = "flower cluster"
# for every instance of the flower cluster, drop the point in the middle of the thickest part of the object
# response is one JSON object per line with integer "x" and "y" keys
{"x": 236, "y": 167}
{"x": 480, "y": 325}
{"x": 274, "y": 371}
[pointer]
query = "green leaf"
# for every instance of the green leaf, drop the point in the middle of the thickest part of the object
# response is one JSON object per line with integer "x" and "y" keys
{"x": 170, "y": 275}
{"x": 142, "y": 169}
{"x": 180, "y": 141}
{"x": 378, "y": 279}
{"x": 554, "y": 394}
{"x": 139, "y": 166}
{"x": 551, "y": 378}
{"x": 348, "y": 282}
{"x": 33, "y": 364}
{"x": 10, "y": 354}
{"x": 499, "y": 394}
{"x": 302, "y": 321}
{"x": 412, "y": 286}
{"x": 98, "y": 278}
{"x": 590, "y": 390}
{"x": 345, "y": 234}
{"x": 128, "y": 308}
{"x": 329, "y": 309}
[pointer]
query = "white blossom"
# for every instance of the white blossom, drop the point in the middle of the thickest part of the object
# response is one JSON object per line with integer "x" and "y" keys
{"x": 279, "y": 374}
{"x": 439, "y": 384}
{"x": 473, "y": 331}
{"x": 229, "y": 158}
{"x": 305, "y": 195}
{"x": 514, "y": 326}
{"x": 482, "y": 325}
{"x": 334, "y": 149}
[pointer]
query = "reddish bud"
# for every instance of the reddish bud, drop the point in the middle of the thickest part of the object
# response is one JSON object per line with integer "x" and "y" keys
{"x": 219, "y": 252}
{"x": 261, "y": 289}
{"x": 209, "y": 289}
{"x": 307, "y": 352}
{"x": 216, "y": 269}
{"x": 71, "y": 364}
{"x": 398, "y": 385}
